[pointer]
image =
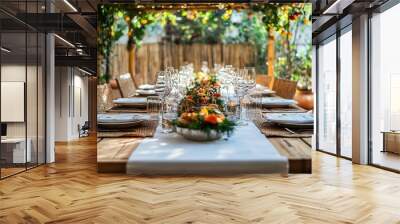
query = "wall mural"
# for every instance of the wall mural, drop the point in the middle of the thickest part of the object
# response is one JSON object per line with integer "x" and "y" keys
{"x": 209, "y": 82}
{"x": 280, "y": 34}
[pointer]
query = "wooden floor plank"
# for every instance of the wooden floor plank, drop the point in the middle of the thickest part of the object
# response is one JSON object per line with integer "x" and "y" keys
{"x": 71, "y": 191}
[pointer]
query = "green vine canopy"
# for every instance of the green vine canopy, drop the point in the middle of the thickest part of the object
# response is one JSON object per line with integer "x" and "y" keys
{"x": 225, "y": 23}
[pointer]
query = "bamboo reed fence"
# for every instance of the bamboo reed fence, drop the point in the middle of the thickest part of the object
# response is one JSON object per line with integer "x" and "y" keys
{"x": 151, "y": 58}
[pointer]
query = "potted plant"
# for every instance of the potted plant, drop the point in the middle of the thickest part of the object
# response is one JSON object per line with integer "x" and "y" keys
{"x": 302, "y": 74}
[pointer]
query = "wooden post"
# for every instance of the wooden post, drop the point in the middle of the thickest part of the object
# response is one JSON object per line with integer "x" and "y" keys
{"x": 271, "y": 56}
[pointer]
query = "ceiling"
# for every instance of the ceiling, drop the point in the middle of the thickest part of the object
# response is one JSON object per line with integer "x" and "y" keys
{"x": 331, "y": 15}
{"x": 76, "y": 21}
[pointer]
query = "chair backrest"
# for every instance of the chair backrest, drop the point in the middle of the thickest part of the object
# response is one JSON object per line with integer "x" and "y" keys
{"x": 126, "y": 85}
{"x": 284, "y": 88}
{"x": 85, "y": 126}
{"x": 115, "y": 89}
{"x": 264, "y": 80}
{"x": 104, "y": 97}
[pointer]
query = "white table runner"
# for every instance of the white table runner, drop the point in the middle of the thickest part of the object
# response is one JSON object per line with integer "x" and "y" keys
{"x": 246, "y": 151}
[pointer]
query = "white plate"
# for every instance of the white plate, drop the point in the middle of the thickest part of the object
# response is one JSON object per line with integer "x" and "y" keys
{"x": 268, "y": 92}
{"x": 291, "y": 118}
{"x": 305, "y": 126}
{"x": 132, "y": 101}
{"x": 119, "y": 126}
{"x": 121, "y": 118}
{"x": 146, "y": 87}
{"x": 264, "y": 92}
{"x": 142, "y": 92}
{"x": 275, "y": 101}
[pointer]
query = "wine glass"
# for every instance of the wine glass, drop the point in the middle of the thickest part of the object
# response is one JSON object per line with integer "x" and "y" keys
{"x": 240, "y": 87}
{"x": 251, "y": 77}
{"x": 204, "y": 67}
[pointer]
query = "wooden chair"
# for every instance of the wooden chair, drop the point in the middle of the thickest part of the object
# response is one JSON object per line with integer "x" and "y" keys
{"x": 104, "y": 97}
{"x": 115, "y": 89}
{"x": 284, "y": 88}
{"x": 126, "y": 85}
{"x": 264, "y": 80}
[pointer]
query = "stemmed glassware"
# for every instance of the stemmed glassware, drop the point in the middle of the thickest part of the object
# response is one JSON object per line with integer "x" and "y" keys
{"x": 251, "y": 77}
{"x": 237, "y": 87}
{"x": 204, "y": 67}
{"x": 241, "y": 88}
{"x": 163, "y": 89}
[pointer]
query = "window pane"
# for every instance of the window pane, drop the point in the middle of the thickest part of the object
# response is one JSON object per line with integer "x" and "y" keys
{"x": 346, "y": 94}
{"x": 386, "y": 88}
{"x": 41, "y": 99}
{"x": 31, "y": 97}
{"x": 15, "y": 149}
{"x": 327, "y": 97}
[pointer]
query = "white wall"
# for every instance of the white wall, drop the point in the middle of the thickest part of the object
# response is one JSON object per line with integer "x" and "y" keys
{"x": 34, "y": 126}
{"x": 16, "y": 73}
{"x": 71, "y": 102}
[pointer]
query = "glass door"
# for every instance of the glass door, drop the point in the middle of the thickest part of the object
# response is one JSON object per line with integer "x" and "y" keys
{"x": 385, "y": 89}
{"x": 346, "y": 93}
{"x": 15, "y": 149}
{"x": 327, "y": 96}
{"x": 22, "y": 78}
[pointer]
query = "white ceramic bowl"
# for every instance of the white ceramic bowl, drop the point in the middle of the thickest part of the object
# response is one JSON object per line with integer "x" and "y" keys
{"x": 198, "y": 135}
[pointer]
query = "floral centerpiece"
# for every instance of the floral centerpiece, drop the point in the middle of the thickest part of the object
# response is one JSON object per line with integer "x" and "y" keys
{"x": 201, "y": 111}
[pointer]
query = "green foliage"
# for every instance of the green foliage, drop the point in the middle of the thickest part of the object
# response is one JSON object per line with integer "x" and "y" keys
{"x": 269, "y": 15}
{"x": 226, "y": 126}
{"x": 198, "y": 26}
{"x": 293, "y": 44}
{"x": 137, "y": 22}
{"x": 109, "y": 31}
{"x": 302, "y": 71}
{"x": 285, "y": 21}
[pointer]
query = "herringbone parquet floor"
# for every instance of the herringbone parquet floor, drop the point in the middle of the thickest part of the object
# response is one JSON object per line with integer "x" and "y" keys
{"x": 71, "y": 191}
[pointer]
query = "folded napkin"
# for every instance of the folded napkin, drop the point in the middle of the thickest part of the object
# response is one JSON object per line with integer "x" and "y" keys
{"x": 132, "y": 101}
{"x": 264, "y": 92}
{"x": 146, "y": 87}
{"x": 276, "y": 101}
{"x": 290, "y": 118}
{"x": 121, "y": 118}
{"x": 146, "y": 92}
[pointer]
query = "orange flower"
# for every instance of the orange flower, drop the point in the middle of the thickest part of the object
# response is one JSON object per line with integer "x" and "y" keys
{"x": 211, "y": 119}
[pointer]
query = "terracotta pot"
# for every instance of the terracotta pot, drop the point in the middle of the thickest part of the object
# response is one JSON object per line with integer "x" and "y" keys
{"x": 304, "y": 98}
{"x": 113, "y": 84}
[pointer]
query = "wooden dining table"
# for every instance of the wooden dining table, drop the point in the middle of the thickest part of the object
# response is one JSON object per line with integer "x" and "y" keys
{"x": 113, "y": 153}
